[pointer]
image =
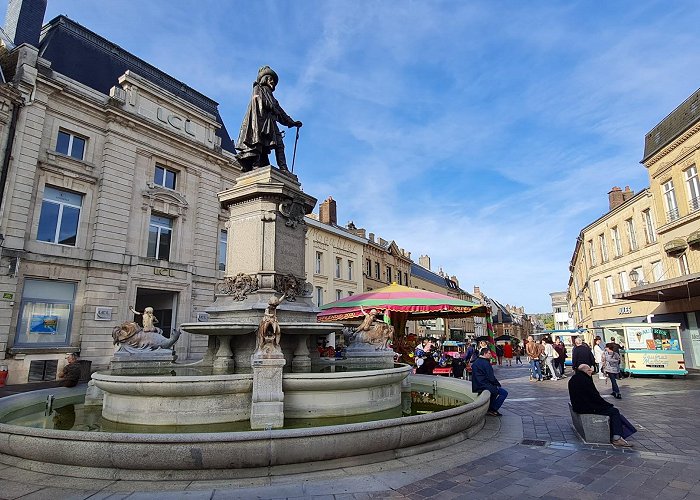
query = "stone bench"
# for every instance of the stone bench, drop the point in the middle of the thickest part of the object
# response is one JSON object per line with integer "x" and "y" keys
{"x": 590, "y": 427}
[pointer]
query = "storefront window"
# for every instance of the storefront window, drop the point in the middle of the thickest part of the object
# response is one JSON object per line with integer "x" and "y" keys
{"x": 45, "y": 313}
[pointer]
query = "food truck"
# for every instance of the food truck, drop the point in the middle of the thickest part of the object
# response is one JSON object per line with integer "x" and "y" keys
{"x": 648, "y": 348}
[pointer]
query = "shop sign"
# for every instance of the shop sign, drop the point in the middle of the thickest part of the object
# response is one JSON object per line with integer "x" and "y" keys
{"x": 625, "y": 310}
{"x": 103, "y": 313}
{"x": 8, "y": 296}
{"x": 175, "y": 121}
{"x": 163, "y": 271}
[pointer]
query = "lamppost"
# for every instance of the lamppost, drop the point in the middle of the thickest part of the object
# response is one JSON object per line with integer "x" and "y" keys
{"x": 634, "y": 276}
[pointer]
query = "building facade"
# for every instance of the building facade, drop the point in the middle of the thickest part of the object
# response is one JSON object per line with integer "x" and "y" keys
{"x": 563, "y": 319}
{"x": 109, "y": 198}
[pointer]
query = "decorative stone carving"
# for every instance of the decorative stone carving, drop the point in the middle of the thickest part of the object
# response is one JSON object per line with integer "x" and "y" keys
{"x": 269, "y": 333}
{"x": 290, "y": 286}
{"x": 238, "y": 286}
{"x": 294, "y": 212}
{"x": 129, "y": 336}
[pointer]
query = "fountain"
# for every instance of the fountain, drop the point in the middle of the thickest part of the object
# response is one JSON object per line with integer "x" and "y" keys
{"x": 257, "y": 368}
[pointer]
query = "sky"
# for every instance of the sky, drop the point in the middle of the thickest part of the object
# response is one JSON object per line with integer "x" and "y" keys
{"x": 485, "y": 134}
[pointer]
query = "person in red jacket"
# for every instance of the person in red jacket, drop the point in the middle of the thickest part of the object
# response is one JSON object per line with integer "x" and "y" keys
{"x": 508, "y": 353}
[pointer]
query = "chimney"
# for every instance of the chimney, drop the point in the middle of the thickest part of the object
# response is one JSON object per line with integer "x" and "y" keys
{"x": 615, "y": 197}
{"x": 454, "y": 278}
{"x": 23, "y": 21}
{"x": 477, "y": 291}
{"x": 424, "y": 262}
{"x": 371, "y": 237}
{"x": 328, "y": 213}
{"x": 627, "y": 193}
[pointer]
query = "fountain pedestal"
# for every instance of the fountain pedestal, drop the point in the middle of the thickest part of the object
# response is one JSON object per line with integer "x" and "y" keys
{"x": 267, "y": 408}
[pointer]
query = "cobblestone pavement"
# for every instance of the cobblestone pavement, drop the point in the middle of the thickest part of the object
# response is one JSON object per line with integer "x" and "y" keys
{"x": 497, "y": 464}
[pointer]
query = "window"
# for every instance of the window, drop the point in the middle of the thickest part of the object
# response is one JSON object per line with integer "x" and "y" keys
{"x": 338, "y": 266}
{"x": 603, "y": 247}
{"x": 598, "y": 293}
{"x": 223, "y": 243}
{"x": 319, "y": 260}
{"x": 368, "y": 263}
{"x": 338, "y": 294}
{"x": 591, "y": 253}
{"x": 60, "y": 214}
{"x": 377, "y": 271}
{"x": 159, "y": 235}
{"x": 657, "y": 271}
{"x": 405, "y": 279}
{"x": 350, "y": 294}
{"x": 609, "y": 288}
{"x": 398, "y": 277}
{"x": 624, "y": 282}
{"x": 683, "y": 268}
{"x": 617, "y": 244}
{"x": 164, "y": 177}
{"x": 70, "y": 145}
{"x": 670, "y": 201}
{"x": 649, "y": 231}
{"x": 319, "y": 296}
{"x": 45, "y": 314}
{"x": 388, "y": 274}
{"x": 631, "y": 234}
{"x": 691, "y": 179}
{"x": 350, "y": 270}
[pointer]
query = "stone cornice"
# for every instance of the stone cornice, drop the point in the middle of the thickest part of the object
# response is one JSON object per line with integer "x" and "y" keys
{"x": 663, "y": 152}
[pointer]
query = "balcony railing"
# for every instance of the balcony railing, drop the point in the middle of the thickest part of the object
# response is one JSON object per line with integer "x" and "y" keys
{"x": 694, "y": 204}
{"x": 672, "y": 215}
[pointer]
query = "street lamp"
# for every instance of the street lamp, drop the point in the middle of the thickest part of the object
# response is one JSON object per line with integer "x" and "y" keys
{"x": 634, "y": 276}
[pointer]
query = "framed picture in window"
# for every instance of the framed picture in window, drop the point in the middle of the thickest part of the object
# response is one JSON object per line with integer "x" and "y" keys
{"x": 43, "y": 324}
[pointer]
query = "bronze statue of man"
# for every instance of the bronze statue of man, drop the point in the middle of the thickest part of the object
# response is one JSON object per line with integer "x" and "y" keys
{"x": 259, "y": 134}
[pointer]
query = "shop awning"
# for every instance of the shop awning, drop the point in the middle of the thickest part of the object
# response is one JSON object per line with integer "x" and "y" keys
{"x": 676, "y": 245}
{"x": 683, "y": 287}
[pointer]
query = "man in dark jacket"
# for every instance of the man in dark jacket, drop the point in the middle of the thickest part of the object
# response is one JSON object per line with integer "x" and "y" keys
{"x": 581, "y": 354}
{"x": 585, "y": 398}
{"x": 483, "y": 379}
{"x": 70, "y": 375}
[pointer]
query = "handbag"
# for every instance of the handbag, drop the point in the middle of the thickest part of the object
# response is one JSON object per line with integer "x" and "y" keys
{"x": 543, "y": 357}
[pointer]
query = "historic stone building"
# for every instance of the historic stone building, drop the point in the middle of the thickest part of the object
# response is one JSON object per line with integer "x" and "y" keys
{"x": 384, "y": 262}
{"x": 563, "y": 320}
{"x": 109, "y": 195}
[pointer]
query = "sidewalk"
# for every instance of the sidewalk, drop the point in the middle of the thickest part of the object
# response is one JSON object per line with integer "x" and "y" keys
{"x": 530, "y": 452}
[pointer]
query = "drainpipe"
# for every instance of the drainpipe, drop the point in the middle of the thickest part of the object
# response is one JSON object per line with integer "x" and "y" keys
{"x": 8, "y": 151}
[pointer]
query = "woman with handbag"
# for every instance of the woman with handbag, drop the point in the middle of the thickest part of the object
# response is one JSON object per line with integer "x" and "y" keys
{"x": 611, "y": 365}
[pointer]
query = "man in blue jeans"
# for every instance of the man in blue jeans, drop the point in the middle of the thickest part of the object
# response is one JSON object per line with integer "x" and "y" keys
{"x": 534, "y": 350}
{"x": 483, "y": 379}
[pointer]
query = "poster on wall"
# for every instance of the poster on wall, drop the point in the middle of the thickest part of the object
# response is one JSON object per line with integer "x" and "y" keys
{"x": 41, "y": 323}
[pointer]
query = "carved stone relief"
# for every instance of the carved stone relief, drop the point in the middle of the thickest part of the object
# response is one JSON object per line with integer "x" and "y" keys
{"x": 238, "y": 286}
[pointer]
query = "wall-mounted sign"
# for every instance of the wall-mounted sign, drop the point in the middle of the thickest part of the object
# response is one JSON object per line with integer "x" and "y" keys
{"x": 175, "y": 121}
{"x": 103, "y": 313}
{"x": 625, "y": 310}
{"x": 8, "y": 296}
{"x": 163, "y": 271}
{"x": 202, "y": 317}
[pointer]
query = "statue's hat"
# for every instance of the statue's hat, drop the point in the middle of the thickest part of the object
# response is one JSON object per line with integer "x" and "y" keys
{"x": 266, "y": 70}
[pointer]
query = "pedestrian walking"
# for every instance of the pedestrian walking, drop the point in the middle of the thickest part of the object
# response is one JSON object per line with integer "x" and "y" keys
{"x": 499, "y": 354}
{"x": 611, "y": 366}
{"x": 518, "y": 353}
{"x": 508, "y": 353}
{"x": 585, "y": 398}
{"x": 534, "y": 350}
{"x": 550, "y": 354}
{"x": 581, "y": 354}
{"x": 483, "y": 379}
{"x": 598, "y": 352}
{"x": 559, "y": 363}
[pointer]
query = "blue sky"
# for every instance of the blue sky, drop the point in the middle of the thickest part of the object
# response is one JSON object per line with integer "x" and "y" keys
{"x": 485, "y": 134}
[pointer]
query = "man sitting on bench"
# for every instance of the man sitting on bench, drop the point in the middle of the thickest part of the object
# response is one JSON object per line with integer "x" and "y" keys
{"x": 585, "y": 398}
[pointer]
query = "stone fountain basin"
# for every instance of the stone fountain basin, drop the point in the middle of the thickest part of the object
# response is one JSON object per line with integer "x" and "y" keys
{"x": 232, "y": 328}
{"x": 219, "y": 455}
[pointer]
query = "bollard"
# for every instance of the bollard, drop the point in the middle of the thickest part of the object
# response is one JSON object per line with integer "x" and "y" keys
{"x": 3, "y": 375}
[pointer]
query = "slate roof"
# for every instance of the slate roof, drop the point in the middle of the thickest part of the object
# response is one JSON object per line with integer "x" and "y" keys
{"x": 677, "y": 121}
{"x": 432, "y": 277}
{"x": 94, "y": 61}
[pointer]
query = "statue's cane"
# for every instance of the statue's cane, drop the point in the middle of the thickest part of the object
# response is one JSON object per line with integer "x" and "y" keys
{"x": 294, "y": 155}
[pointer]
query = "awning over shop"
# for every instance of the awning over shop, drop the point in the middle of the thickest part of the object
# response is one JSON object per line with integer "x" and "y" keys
{"x": 676, "y": 245}
{"x": 683, "y": 287}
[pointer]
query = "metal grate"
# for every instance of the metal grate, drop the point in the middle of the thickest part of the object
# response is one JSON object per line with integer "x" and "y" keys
{"x": 533, "y": 442}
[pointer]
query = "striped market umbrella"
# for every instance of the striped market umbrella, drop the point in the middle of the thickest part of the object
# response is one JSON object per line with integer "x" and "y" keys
{"x": 402, "y": 301}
